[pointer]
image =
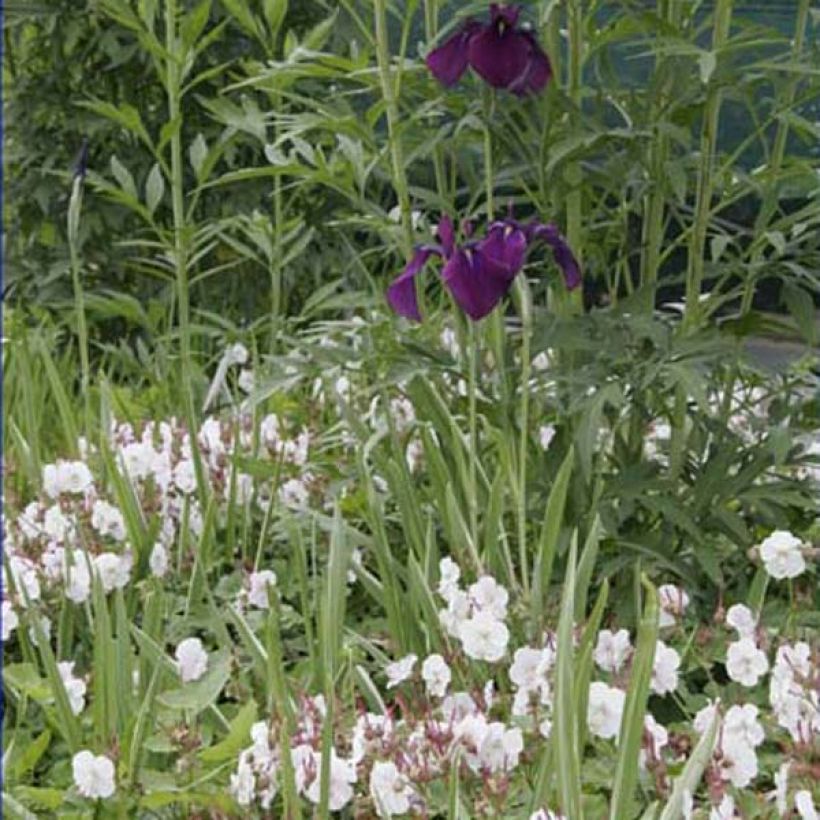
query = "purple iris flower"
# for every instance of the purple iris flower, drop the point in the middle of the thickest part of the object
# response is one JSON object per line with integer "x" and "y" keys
{"x": 480, "y": 273}
{"x": 503, "y": 54}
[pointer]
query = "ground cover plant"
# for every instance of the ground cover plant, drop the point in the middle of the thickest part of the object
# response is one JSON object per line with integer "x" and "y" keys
{"x": 386, "y": 427}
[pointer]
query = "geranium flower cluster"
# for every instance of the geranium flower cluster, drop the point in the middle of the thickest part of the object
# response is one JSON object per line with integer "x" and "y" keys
{"x": 74, "y": 530}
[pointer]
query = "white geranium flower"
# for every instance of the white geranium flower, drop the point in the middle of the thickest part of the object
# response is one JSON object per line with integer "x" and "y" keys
{"x": 400, "y": 670}
{"x": 390, "y": 789}
{"x": 742, "y": 725}
{"x": 403, "y": 414}
{"x": 500, "y": 748}
{"x": 484, "y": 638}
{"x": 612, "y": 649}
{"x": 745, "y": 663}
{"x": 724, "y": 811}
{"x": 114, "y": 570}
{"x": 259, "y": 583}
{"x": 604, "y": 710}
{"x": 414, "y": 454}
{"x": 192, "y": 659}
{"x": 704, "y": 718}
{"x": 546, "y": 433}
{"x": 782, "y": 555}
{"x": 246, "y": 380}
{"x": 804, "y": 805}
{"x": 75, "y": 687}
{"x": 781, "y": 782}
{"x": 342, "y": 775}
{"x": 742, "y": 620}
{"x": 665, "y": 669}
{"x": 9, "y": 619}
{"x": 673, "y": 601}
{"x": 107, "y": 520}
{"x": 487, "y": 595}
{"x": 74, "y": 477}
{"x": 294, "y": 494}
{"x": 449, "y": 573}
{"x": 24, "y": 575}
{"x": 185, "y": 476}
{"x": 656, "y": 738}
{"x": 55, "y": 525}
{"x": 138, "y": 460}
{"x": 436, "y": 675}
{"x": 93, "y": 775}
{"x": 738, "y": 764}
{"x": 243, "y": 782}
{"x": 158, "y": 560}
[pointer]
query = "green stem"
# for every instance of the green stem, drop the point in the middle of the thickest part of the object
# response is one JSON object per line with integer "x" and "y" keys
{"x": 430, "y": 32}
{"x": 574, "y": 174}
{"x": 392, "y": 111}
{"x": 653, "y": 231}
{"x": 708, "y": 143}
{"x": 525, "y": 308}
{"x": 472, "y": 389}
{"x": 769, "y": 204}
{"x": 173, "y": 89}
{"x": 74, "y": 209}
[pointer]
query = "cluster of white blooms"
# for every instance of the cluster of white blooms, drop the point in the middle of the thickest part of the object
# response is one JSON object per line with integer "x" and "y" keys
{"x": 474, "y": 616}
{"x": 794, "y": 691}
{"x": 530, "y": 676}
{"x": 73, "y": 533}
{"x": 257, "y": 771}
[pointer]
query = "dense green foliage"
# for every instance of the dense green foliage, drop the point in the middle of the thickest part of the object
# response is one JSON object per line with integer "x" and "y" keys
{"x": 202, "y": 384}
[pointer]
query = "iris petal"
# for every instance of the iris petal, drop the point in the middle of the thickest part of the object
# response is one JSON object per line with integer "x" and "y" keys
{"x": 449, "y": 61}
{"x": 477, "y": 282}
{"x": 506, "y": 246}
{"x": 401, "y": 295}
{"x": 537, "y": 72}
{"x": 446, "y": 235}
{"x": 500, "y": 59}
{"x": 561, "y": 251}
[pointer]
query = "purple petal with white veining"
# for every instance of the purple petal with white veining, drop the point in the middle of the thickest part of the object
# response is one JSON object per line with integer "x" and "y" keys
{"x": 477, "y": 282}
{"x": 401, "y": 295}
{"x": 506, "y": 245}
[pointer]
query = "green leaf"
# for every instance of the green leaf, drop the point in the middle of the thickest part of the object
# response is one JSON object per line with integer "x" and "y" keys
{"x": 154, "y": 188}
{"x": 274, "y": 11}
{"x": 548, "y": 539}
{"x": 687, "y": 781}
{"x": 197, "y": 153}
{"x": 123, "y": 177}
{"x": 237, "y": 738}
{"x": 198, "y": 695}
{"x": 565, "y": 729}
{"x": 632, "y": 721}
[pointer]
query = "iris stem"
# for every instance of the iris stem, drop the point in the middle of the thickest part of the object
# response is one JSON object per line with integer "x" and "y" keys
{"x": 776, "y": 161}
{"x": 430, "y": 32}
{"x": 173, "y": 89}
{"x": 706, "y": 174}
{"x": 574, "y": 173}
{"x": 525, "y": 308}
{"x": 74, "y": 210}
{"x": 392, "y": 113}
{"x": 472, "y": 388}
{"x": 653, "y": 226}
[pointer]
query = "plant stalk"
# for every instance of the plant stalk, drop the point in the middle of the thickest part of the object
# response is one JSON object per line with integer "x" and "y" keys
{"x": 574, "y": 173}
{"x": 74, "y": 210}
{"x": 769, "y": 204}
{"x": 708, "y": 144}
{"x": 392, "y": 112}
